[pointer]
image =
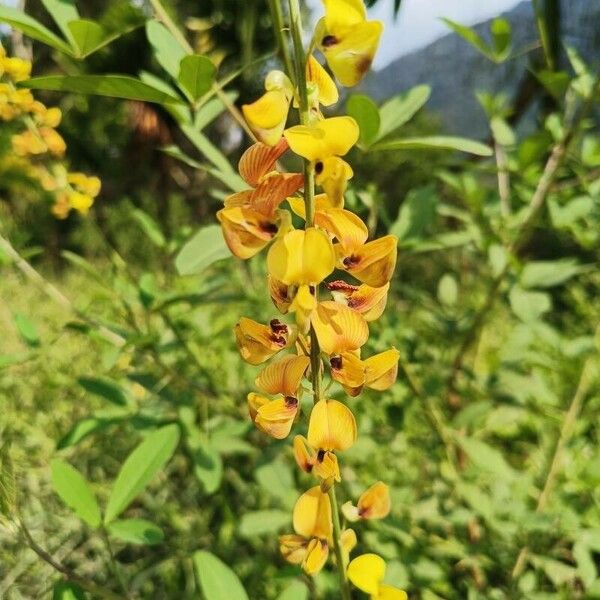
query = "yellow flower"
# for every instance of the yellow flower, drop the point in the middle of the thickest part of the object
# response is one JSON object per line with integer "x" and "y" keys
{"x": 329, "y": 137}
{"x": 367, "y": 300}
{"x": 333, "y": 174}
{"x": 349, "y": 371}
{"x": 326, "y": 90}
{"x": 373, "y": 263}
{"x": 257, "y": 342}
{"x": 280, "y": 294}
{"x": 80, "y": 202}
{"x": 347, "y": 40}
{"x": 323, "y": 464}
{"x": 313, "y": 526}
{"x": 382, "y": 369}
{"x": 267, "y": 116}
{"x": 85, "y": 184}
{"x": 301, "y": 259}
{"x": 273, "y": 417}
{"x": 366, "y": 572}
{"x": 283, "y": 376}
{"x": 331, "y": 427}
{"x": 374, "y": 503}
{"x": 15, "y": 69}
{"x": 377, "y": 372}
{"x": 339, "y": 328}
{"x": 53, "y": 140}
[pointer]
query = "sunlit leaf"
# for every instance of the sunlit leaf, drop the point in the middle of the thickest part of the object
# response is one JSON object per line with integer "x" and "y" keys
{"x": 263, "y": 522}
{"x": 27, "y": 330}
{"x": 365, "y": 112}
{"x": 105, "y": 388}
{"x": 136, "y": 531}
{"x": 216, "y": 579}
{"x": 398, "y": 110}
{"x": 196, "y": 75}
{"x": 167, "y": 50}
{"x": 205, "y": 248}
{"x": 437, "y": 142}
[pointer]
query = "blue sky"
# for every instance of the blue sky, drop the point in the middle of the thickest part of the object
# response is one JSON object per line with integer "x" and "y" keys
{"x": 419, "y": 23}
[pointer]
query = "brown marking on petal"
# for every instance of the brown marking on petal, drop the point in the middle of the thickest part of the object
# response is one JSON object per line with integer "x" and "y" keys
{"x": 270, "y": 228}
{"x": 291, "y": 402}
{"x": 336, "y": 362}
{"x": 312, "y": 289}
{"x": 321, "y": 456}
{"x": 319, "y": 167}
{"x": 278, "y": 339}
{"x": 328, "y": 41}
{"x": 363, "y": 65}
{"x": 341, "y": 286}
{"x": 351, "y": 261}
{"x": 278, "y": 327}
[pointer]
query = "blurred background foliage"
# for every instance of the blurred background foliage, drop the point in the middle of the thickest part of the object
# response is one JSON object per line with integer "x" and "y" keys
{"x": 489, "y": 439}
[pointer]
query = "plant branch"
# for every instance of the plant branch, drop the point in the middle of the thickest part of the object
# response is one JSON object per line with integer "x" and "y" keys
{"x": 586, "y": 380}
{"x": 337, "y": 545}
{"x": 279, "y": 27}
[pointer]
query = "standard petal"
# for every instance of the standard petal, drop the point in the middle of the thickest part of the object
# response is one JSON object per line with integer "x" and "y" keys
{"x": 382, "y": 369}
{"x": 366, "y": 572}
{"x": 312, "y": 514}
{"x": 283, "y": 376}
{"x": 339, "y": 328}
{"x": 257, "y": 342}
{"x": 332, "y": 426}
{"x": 276, "y": 417}
{"x": 329, "y": 137}
{"x": 273, "y": 190}
{"x": 375, "y": 503}
{"x": 373, "y": 263}
{"x": 246, "y": 232}
{"x": 367, "y": 300}
{"x": 344, "y": 12}
{"x": 344, "y": 225}
{"x": 260, "y": 159}
{"x": 267, "y": 116}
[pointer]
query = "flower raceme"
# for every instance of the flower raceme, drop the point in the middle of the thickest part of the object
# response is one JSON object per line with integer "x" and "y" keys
{"x": 328, "y": 332}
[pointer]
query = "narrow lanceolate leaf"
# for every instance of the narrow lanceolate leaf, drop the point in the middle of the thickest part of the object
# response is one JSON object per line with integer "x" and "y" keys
{"x": 400, "y": 109}
{"x": 136, "y": 531}
{"x": 206, "y": 247}
{"x": 196, "y": 75}
{"x": 150, "y": 227}
{"x": 29, "y": 26}
{"x": 63, "y": 12}
{"x": 140, "y": 468}
{"x": 105, "y": 388}
{"x": 27, "y": 330}
{"x": 216, "y": 579}
{"x": 75, "y": 492}
{"x": 88, "y": 36}
{"x": 437, "y": 142}
{"x": 167, "y": 50}
{"x": 114, "y": 86}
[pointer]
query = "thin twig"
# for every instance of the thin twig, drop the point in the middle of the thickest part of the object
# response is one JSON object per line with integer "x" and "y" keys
{"x": 503, "y": 179}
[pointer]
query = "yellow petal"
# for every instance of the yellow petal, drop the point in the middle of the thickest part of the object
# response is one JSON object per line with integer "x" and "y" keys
{"x": 326, "y": 466}
{"x": 367, "y": 300}
{"x": 333, "y": 174}
{"x": 304, "y": 305}
{"x": 348, "y": 370}
{"x": 301, "y": 257}
{"x": 344, "y": 225}
{"x": 276, "y": 417}
{"x": 257, "y": 342}
{"x": 279, "y": 293}
{"x": 329, "y": 137}
{"x": 260, "y": 159}
{"x": 373, "y": 263}
{"x": 344, "y": 12}
{"x": 332, "y": 426}
{"x": 302, "y": 454}
{"x": 349, "y": 51}
{"x": 374, "y": 503}
{"x": 283, "y": 376}
{"x": 255, "y": 401}
{"x": 348, "y": 541}
{"x": 322, "y": 202}
{"x": 267, "y": 116}
{"x": 246, "y": 232}
{"x": 350, "y": 512}
{"x": 315, "y": 73}
{"x": 317, "y": 552}
{"x": 339, "y": 328}
{"x": 388, "y": 592}
{"x": 293, "y": 548}
{"x": 366, "y": 572}
{"x": 382, "y": 369}
{"x": 312, "y": 514}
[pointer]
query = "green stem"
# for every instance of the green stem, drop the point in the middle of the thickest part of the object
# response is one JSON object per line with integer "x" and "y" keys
{"x": 279, "y": 27}
{"x": 114, "y": 565}
{"x": 337, "y": 545}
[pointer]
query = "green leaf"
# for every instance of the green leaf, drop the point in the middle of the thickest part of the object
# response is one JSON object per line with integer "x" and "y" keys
{"x": 196, "y": 75}
{"x": 113, "y": 86}
{"x": 62, "y": 11}
{"x": 400, "y": 109}
{"x": 559, "y": 573}
{"x": 502, "y": 131}
{"x": 297, "y": 590}
{"x": 263, "y": 522}
{"x": 8, "y": 485}
{"x": 136, "y": 531}
{"x": 438, "y": 142}
{"x": 529, "y": 306}
{"x": 276, "y": 478}
{"x": 150, "y": 227}
{"x": 209, "y": 111}
{"x": 485, "y": 457}
{"x": 497, "y": 257}
{"x": 575, "y": 209}
{"x": 140, "y": 467}
{"x": 27, "y": 330}
{"x": 447, "y": 291}
{"x": 29, "y": 26}
{"x": 75, "y": 492}
{"x": 365, "y": 112}
{"x": 501, "y": 31}
{"x": 416, "y": 213}
{"x": 205, "y": 248}
{"x": 65, "y": 590}
{"x": 544, "y": 274}
{"x": 167, "y": 50}
{"x": 471, "y": 36}
{"x": 84, "y": 428}
{"x": 88, "y": 36}
{"x": 105, "y": 388}
{"x": 216, "y": 579}
{"x": 208, "y": 467}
